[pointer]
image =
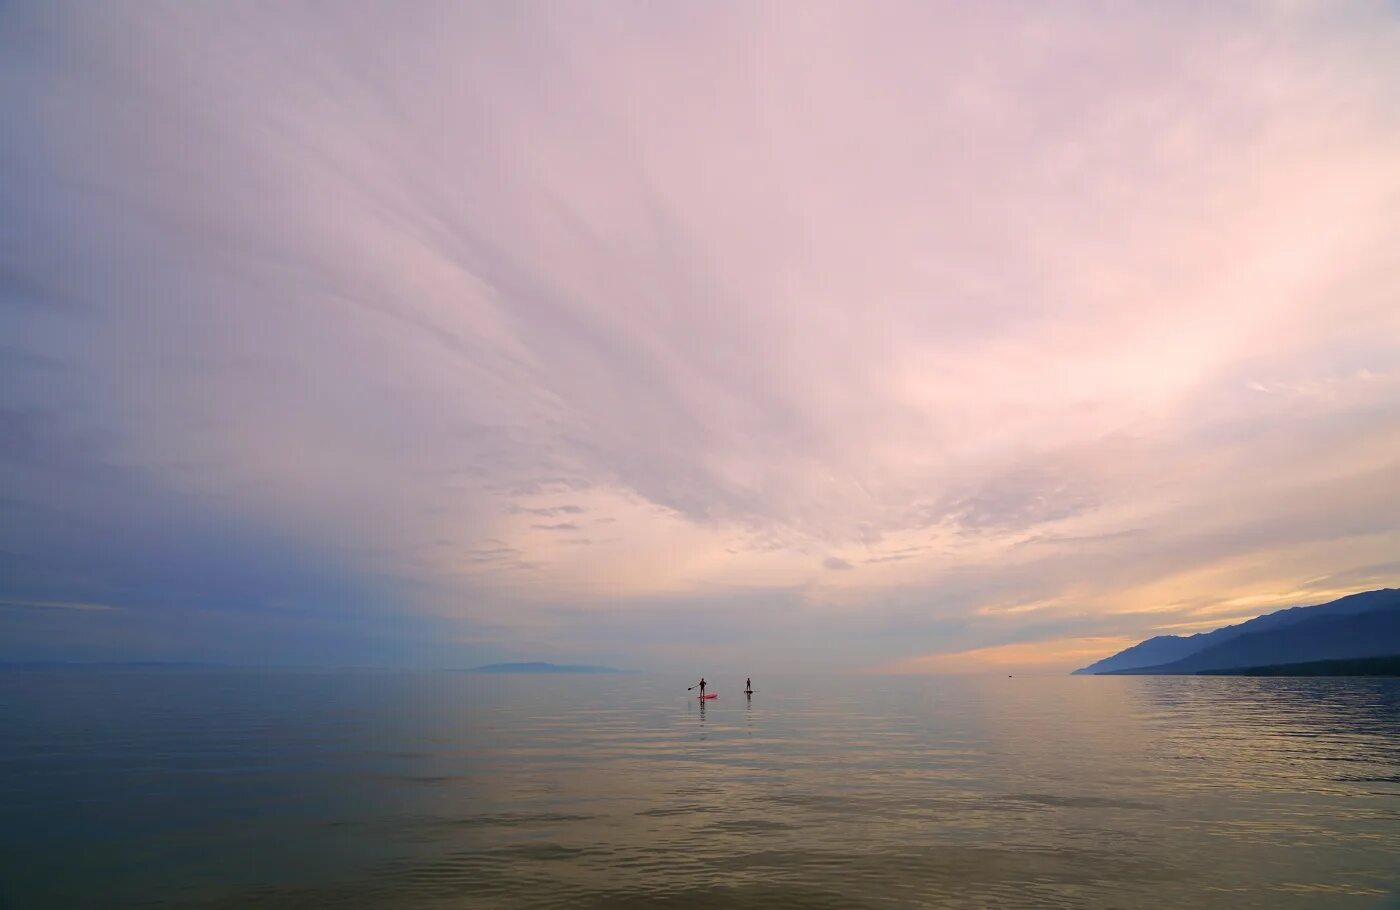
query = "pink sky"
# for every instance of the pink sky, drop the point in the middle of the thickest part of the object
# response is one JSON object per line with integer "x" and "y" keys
{"x": 916, "y": 337}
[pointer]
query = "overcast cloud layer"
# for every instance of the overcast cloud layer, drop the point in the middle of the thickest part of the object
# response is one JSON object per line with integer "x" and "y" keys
{"x": 900, "y": 337}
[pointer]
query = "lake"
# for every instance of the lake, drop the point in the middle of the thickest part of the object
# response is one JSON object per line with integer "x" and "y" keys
{"x": 218, "y": 788}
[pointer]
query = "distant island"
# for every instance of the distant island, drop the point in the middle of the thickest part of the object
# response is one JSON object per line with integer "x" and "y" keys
{"x": 541, "y": 667}
{"x": 1352, "y": 636}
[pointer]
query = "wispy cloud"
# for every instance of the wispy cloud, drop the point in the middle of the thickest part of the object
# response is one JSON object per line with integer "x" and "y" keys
{"x": 82, "y": 606}
{"x": 896, "y": 324}
{"x": 549, "y": 511}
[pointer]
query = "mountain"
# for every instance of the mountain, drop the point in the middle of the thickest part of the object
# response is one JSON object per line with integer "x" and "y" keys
{"x": 541, "y": 667}
{"x": 1168, "y": 650}
{"x": 1159, "y": 650}
{"x": 1360, "y": 666}
{"x": 1374, "y": 634}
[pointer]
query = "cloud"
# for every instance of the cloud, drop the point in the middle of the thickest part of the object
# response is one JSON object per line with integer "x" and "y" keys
{"x": 550, "y": 511}
{"x": 976, "y": 308}
{"x": 81, "y": 606}
{"x": 1023, "y": 656}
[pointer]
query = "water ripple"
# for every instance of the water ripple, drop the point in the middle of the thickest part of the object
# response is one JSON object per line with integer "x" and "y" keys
{"x": 447, "y": 790}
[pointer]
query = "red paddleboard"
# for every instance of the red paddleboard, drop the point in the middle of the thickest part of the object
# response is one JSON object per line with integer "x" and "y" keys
{"x": 716, "y": 695}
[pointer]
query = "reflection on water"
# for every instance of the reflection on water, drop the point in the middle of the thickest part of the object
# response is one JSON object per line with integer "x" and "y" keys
{"x": 203, "y": 789}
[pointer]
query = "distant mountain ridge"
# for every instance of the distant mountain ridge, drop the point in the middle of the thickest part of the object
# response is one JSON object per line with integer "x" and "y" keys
{"x": 542, "y": 667}
{"x": 1356, "y": 626}
{"x": 1358, "y": 666}
{"x": 1374, "y": 634}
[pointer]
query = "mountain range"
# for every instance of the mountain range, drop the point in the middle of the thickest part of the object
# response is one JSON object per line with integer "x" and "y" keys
{"x": 1357, "y": 626}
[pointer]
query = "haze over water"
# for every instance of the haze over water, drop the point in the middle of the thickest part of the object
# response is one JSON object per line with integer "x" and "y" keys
{"x": 201, "y": 788}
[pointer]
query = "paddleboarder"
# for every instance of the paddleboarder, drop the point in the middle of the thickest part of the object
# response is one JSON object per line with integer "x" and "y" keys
{"x": 702, "y": 687}
{"x": 748, "y": 686}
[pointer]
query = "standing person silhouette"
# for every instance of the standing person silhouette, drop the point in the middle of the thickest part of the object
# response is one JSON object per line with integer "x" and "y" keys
{"x": 748, "y": 686}
{"x": 702, "y": 687}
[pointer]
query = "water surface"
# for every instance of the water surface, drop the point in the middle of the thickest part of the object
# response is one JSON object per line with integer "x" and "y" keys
{"x": 378, "y": 789}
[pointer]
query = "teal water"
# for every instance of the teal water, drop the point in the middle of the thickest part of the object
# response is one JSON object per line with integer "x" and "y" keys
{"x": 185, "y": 788}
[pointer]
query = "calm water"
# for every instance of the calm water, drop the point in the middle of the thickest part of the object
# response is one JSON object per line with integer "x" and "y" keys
{"x": 363, "y": 789}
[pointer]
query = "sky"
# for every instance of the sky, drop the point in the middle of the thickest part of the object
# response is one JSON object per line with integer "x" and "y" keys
{"x": 893, "y": 337}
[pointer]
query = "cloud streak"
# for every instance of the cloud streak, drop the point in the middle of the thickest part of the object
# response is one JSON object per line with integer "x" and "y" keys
{"x": 885, "y": 324}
